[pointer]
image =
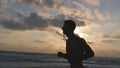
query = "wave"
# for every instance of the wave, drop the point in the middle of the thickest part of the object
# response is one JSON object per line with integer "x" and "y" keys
{"x": 50, "y": 60}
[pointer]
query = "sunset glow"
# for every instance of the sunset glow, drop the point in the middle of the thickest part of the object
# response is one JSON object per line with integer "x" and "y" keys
{"x": 79, "y": 33}
{"x": 35, "y": 25}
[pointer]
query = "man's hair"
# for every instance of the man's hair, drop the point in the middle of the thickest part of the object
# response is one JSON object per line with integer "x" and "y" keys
{"x": 70, "y": 23}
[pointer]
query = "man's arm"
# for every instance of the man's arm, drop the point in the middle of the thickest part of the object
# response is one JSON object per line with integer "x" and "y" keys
{"x": 88, "y": 52}
{"x": 60, "y": 54}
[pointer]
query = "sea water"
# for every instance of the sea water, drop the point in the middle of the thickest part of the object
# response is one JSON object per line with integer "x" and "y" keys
{"x": 10, "y": 59}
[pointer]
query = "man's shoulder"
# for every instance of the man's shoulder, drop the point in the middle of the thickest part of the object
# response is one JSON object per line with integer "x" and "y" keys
{"x": 80, "y": 40}
{"x": 78, "y": 37}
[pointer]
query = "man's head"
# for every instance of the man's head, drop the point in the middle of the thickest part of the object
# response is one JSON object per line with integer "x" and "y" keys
{"x": 68, "y": 27}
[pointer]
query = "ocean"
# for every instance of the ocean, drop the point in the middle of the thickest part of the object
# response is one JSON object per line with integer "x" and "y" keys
{"x": 12, "y": 59}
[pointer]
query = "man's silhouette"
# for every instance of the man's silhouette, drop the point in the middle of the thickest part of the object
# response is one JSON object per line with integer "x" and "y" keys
{"x": 77, "y": 49}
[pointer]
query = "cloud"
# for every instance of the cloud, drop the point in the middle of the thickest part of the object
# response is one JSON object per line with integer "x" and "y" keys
{"x": 101, "y": 16}
{"x": 81, "y": 23}
{"x": 93, "y": 2}
{"x": 63, "y": 13}
{"x": 115, "y": 35}
{"x": 81, "y": 13}
{"x": 12, "y": 25}
{"x": 79, "y": 5}
{"x": 109, "y": 40}
{"x": 71, "y": 12}
{"x": 45, "y": 15}
{"x": 38, "y": 41}
{"x": 16, "y": 1}
{"x": 90, "y": 23}
{"x": 86, "y": 13}
{"x": 3, "y": 5}
{"x": 91, "y": 14}
{"x": 57, "y": 22}
{"x": 35, "y": 22}
{"x": 41, "y": 21}
{"x": 50, "y": 4}
{"x": 5, "y": 32}
{"x": 77, "y": 15}
{"x": 111, "y": 37}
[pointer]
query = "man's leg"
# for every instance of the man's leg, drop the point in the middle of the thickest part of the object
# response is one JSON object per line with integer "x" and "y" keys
{"x": 76, "y": 65}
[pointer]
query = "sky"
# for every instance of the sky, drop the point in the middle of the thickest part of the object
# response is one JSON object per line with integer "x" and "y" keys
{"x": 35, "y": 25}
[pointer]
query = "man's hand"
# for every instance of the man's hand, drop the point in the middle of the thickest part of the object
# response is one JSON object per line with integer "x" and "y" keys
{"x": 60, "y": 54}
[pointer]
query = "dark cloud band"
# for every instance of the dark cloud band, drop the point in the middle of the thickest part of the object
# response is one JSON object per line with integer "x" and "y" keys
{"x": 33, "y": 21}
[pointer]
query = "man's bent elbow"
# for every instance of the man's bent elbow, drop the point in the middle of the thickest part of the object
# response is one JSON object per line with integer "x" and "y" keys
{"x": 92, "y": 54}
{"x": 88, "y": 55}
